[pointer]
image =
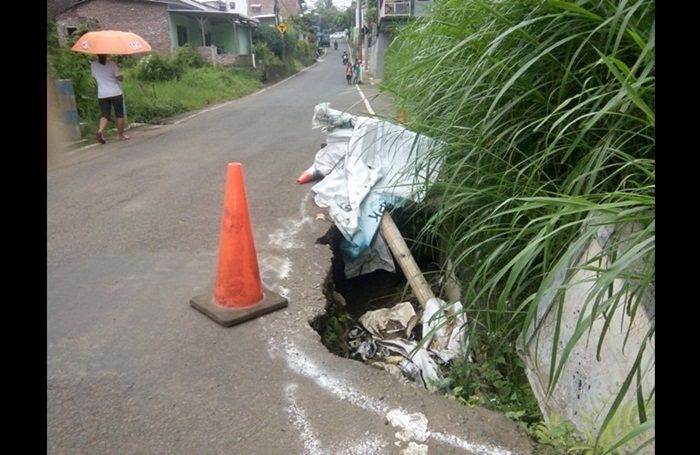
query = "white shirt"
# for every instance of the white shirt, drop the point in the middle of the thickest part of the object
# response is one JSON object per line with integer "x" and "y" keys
{"x": 106, "y": 75}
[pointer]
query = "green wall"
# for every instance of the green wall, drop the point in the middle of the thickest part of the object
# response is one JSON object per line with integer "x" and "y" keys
{"x": 221, "y": 35}
{"x": 194, "y": 35}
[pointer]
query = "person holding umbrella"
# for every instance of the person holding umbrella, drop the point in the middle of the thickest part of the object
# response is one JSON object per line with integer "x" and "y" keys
{"x": 109, "y": 95}
{"x": 107, "y": 75}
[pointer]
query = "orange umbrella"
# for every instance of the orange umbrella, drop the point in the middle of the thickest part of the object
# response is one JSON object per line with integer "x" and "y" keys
{"x": 111, "y": 42}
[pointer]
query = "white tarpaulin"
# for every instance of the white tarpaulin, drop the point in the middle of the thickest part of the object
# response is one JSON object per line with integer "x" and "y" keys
{"x": 384, "y": 164}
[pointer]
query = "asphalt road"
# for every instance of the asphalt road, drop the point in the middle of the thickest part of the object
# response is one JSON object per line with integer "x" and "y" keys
{"x": 132, "y": 235}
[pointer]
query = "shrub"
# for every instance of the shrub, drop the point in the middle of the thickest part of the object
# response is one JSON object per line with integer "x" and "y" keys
{"x": 150, "y": 110}
{"x": 187, "y": 57}
{"x": 155, "y": 67}
{"x": 66, "y": 64}
{"x": 270, "y": 37}
{"x": 272, "y": 66}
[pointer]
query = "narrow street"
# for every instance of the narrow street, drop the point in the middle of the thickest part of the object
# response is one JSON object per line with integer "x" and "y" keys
{"x": 132, "y": 236}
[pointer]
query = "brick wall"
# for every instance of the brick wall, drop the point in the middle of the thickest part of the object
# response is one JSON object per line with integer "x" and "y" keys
{"x": 54, "y": 7}
{"x": 148, "y": 20}
{"x": 234, "y": 60}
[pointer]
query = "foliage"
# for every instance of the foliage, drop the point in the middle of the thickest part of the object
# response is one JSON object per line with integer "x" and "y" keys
{"x": 493, "y": 378}
{"x": 51, "y": 35}
{"x": 546, "y": 108}
{"x": 625, "y": 433}
{"x": 304, "y": 46}
{"x": 156, "y": 67}
{"x": 66, "y": 64}
{"x": 329, "y": 18}
{"x": 187, "y": 57}
{"x": 271, "y": 38}
{"x": 196, "y": 88}
{"x": 558, "y": 437}
{"x": 272, "y": 66}
{"x": 332, "y": 326}
{"x": 372, "y": 15}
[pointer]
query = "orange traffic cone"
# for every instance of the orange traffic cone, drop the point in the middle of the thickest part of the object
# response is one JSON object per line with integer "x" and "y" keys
{"x": 238, "y": 293}
{"x": 305, "y": 177}
{"x": 309, "y": 175}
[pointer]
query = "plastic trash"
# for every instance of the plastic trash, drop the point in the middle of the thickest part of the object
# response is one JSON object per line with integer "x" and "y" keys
{"x": 442, "y": 328}
{"x": 387, "y": 323}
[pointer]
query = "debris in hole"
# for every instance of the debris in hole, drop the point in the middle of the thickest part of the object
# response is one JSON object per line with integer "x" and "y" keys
{"x": 387, "y": 323}
{"x": 379, "y": 340}
{"x": 362, "y": 166}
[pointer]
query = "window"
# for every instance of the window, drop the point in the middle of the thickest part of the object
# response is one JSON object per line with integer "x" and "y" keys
{"x": 207, "y": 39}
{"x": 71, "y": 30}
{"x": 181, "y": 35}
{"x": 231, "y": 5}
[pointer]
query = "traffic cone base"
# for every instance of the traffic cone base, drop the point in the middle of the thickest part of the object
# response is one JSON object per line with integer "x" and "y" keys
{"x": 228, "y": 316}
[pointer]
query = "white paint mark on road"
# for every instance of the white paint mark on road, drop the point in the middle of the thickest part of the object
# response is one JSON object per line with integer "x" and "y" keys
{"x": 364, "y": 98}
{"x": 301, "y": 364}
{"x": 312, "y": 446}
{"x": 415, "y": 449}
{"x": 415, "y": 426}
{"x": 276, "y": 267}
{"x": 286, "y": 236}
{"x": 411, "y": 424}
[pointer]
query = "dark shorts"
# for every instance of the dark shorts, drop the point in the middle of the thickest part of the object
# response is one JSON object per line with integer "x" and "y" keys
{"x": 107, "y": 103}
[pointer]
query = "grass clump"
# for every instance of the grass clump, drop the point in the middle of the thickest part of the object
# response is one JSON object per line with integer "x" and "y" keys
{"x": 546, "y": 110}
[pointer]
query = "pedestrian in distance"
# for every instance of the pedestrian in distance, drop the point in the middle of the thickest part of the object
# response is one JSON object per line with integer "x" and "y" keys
{"x": 109, "y": 95}
{"x": 346, "y": 59}
{"x": 356, "y": 71}
{"x": 348, "y": 72}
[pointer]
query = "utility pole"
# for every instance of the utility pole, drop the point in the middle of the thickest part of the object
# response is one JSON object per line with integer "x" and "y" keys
{"x": 277, "y": 22}
{"x": 359, "y": 27}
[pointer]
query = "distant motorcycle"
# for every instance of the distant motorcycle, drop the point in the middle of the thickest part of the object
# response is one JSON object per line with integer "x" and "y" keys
{"x": 345, "y": 58}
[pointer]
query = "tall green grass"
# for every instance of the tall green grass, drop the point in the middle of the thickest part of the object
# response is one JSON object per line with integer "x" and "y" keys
{"x": 547, "y": 112}
{"x": 197, "y": 88}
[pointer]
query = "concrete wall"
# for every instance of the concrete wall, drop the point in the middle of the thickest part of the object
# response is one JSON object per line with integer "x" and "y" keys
{"x": 588, "y": 384}
{"x": 65, "y": 101}
{"x": 376, "y": 53}
{"x": 148, "y": 20}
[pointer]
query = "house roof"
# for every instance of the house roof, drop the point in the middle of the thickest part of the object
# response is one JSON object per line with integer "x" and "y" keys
{"x": 193, "y": 7}
{"x": 176, "y": 3}
{"x": 190, "y": 7}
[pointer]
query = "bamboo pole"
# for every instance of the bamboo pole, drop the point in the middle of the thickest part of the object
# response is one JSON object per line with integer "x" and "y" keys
{"x": 403, "y": 256}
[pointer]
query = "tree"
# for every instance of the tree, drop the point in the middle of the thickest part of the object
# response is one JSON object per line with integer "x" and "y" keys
{"x": 327, "y": 16}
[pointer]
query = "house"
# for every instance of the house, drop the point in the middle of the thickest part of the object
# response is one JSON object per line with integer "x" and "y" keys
{"x": 264, "y": 10}
{"x": 220, "y": 31}
{"x": 390, "y": 13}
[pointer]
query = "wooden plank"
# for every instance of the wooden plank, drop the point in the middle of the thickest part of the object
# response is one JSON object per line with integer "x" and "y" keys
{"x": 403, "y": 256}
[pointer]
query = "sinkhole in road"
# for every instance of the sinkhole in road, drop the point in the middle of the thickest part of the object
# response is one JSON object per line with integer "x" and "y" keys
{"x": 347, "y": 299}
